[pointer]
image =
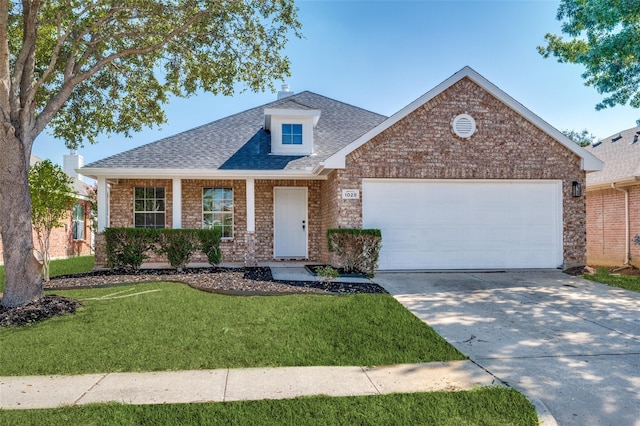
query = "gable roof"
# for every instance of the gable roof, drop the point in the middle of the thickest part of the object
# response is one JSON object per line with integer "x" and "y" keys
{"x": 589, "y": 161}
{"x": 239, "y": 144}
{"x": 621, "y": 155}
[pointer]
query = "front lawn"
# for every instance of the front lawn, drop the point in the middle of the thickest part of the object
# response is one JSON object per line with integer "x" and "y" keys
{"x": 628, "y": 282}
{"x": 170, "y": 326}
{"x": 72, "y": 265}
{"x": 482, "y": 406}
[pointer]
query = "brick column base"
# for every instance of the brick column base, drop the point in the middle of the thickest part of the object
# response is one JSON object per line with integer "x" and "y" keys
{"x": 100, "y": 250}
{"x": 250, "y": 249}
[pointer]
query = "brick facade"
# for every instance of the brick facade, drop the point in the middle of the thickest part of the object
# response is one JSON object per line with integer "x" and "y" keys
{"x": 422, "y": 146}
{"x": 234, "y": 250}
{"x": 419, "y": 146}
{"x": 606, "y": 225}
{"x": 61, "y": 241}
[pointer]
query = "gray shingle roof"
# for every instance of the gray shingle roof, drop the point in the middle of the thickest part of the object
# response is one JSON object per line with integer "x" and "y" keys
{"x": 621, "y": 155}
{"x": 239, "y": 142}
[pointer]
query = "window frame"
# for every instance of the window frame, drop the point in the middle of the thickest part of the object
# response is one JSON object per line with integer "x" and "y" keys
{"x": 292, "y": 134}
{"x": 223, "y": 212}
{"x": 145, "y": 212}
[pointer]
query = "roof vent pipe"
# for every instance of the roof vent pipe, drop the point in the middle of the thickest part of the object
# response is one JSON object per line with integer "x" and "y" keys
{"x": 285, "y": 92}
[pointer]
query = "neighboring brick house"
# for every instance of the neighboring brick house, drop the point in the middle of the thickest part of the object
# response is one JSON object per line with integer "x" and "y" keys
{"x": 465, "y": 177}
{"x": 613, "y": 201}
{"x": 74, "y": 238}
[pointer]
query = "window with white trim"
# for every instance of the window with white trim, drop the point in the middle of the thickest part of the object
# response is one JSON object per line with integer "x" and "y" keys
{"x": 149, "y": 207}
{"x": 77, "y": 224}
{"x": 292, "y": 134}
{"x": 217, "y": 210}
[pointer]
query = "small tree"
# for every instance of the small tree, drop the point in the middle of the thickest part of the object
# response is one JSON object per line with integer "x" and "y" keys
{"x": 583, "y": 138}
{"x": 52, "y": 195}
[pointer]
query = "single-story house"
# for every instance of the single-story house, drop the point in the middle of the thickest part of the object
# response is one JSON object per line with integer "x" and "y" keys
{"x": 464, "y": 177}
{"x": 613, "y": 201}
{"x": 74, "y": 237}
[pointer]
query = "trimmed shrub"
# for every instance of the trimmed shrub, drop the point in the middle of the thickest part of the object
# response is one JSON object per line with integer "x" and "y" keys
{"x": 178, "y": 245}
{"x": 127, "y": 247}
{"x": 358, "y": 249}
{"x": 210, "y": 244}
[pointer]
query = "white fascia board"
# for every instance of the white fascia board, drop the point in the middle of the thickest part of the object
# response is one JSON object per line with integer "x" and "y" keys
{"x": 117, "y": 173}
{"x": 589, "y": 162}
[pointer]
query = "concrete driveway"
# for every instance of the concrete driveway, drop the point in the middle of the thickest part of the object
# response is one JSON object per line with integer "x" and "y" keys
{"x": 568, "y": 342}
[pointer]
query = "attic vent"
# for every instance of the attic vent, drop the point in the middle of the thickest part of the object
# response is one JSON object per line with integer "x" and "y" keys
{"x": 616, "y": 139}
{"x": 463, "y": 126}
{"x": 596, "y": 144}
{"x": 635, "y": 139}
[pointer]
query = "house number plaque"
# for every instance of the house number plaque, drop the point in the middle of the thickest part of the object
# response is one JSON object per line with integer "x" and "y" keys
{"x": 350, "y": 194}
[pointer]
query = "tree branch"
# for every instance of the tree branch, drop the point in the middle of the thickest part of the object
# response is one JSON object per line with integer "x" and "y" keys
{"x": 71, "y": 80}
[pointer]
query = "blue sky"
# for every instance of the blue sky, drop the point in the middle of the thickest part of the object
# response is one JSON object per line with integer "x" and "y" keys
{"x": 382, "y": 55}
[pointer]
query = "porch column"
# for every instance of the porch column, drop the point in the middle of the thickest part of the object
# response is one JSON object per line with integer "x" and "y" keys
{"x": 177, "y": 203}
{"x": 103, "y": 204}
{"x": 251, "y": 205}
{"x": 250, "y": 236}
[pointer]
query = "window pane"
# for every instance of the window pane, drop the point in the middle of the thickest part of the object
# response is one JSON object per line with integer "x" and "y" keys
{"x": 159, "y": 220}
{"x": 139, "y": 206}
{"x": 159, "y": 207}
{"x": 207, "y": 220}
{"x": 139, "y": 220}
{"x": 296, "y": 139}
{"x": 297, "y": 129}
{"x": 149, "y": 193}
{"x": 286, "y": 129}
{"x": 159, "y": 192}
{"x": 139, "y": 193}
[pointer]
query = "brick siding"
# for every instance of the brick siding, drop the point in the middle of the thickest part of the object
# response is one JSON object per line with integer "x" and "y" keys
{"x": 61, "y": 240}
{"x": 422, "y": 146}
{"x": 606, "y": 226}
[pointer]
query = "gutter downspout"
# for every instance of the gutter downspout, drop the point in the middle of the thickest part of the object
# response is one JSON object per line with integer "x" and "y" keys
{"x": 627, "y": 224}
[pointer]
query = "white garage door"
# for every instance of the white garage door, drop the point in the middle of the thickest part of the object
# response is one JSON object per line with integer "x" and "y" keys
{"x": 436, "y": 224}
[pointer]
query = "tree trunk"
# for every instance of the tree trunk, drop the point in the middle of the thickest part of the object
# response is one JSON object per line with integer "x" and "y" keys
{"x": 23, "y": 282}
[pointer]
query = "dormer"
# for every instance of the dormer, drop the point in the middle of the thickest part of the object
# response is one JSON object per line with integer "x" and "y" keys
{"x": 291, "y": 130}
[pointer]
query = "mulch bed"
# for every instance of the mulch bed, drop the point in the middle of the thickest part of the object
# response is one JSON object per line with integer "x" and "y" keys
{"x": 229, "y": 281}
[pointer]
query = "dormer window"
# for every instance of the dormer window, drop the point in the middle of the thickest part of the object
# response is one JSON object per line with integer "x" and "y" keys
{"x": 292, "y": 134}
{"x": 291, "y": 130}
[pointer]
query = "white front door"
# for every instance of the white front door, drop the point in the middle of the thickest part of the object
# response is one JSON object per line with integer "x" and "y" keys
{"x": 290, "y": 222}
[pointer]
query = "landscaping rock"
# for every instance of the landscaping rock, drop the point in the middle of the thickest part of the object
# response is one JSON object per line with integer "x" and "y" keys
{"x": 40, "y": 310}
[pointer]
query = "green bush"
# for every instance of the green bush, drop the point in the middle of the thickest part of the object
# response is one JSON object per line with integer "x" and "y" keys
{"x": 127, "y": 248}
{"x": 210, "y": 244}
{"x": 358, "y": 249}
{"x": 178, "y": 245}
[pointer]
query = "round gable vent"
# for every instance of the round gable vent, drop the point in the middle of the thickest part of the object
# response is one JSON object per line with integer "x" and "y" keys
{"x": 463, "y": 126}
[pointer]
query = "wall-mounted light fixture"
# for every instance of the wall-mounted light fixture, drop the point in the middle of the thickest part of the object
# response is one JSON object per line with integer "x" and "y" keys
{"x": 575, "y": 189}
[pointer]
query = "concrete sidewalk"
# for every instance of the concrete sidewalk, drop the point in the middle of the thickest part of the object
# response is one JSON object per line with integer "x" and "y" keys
{"x": 238, "y": 384}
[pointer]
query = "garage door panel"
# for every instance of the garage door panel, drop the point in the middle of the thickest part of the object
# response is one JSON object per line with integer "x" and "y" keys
{"x": 465, "y": 224}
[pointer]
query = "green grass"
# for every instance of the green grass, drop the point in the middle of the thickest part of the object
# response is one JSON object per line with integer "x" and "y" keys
{"x": 483, "y": 406}
{"x": 72, "y": 265}
{"x": 170, "y": 326}
{"x": 628, "y": 282}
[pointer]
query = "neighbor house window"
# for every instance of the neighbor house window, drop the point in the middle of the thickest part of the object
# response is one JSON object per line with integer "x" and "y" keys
{"x": 217, "y": 210}
{"x": 149, "y": 207}
{"x": 77, "y": 225}
{"x": 292, "y": 134}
